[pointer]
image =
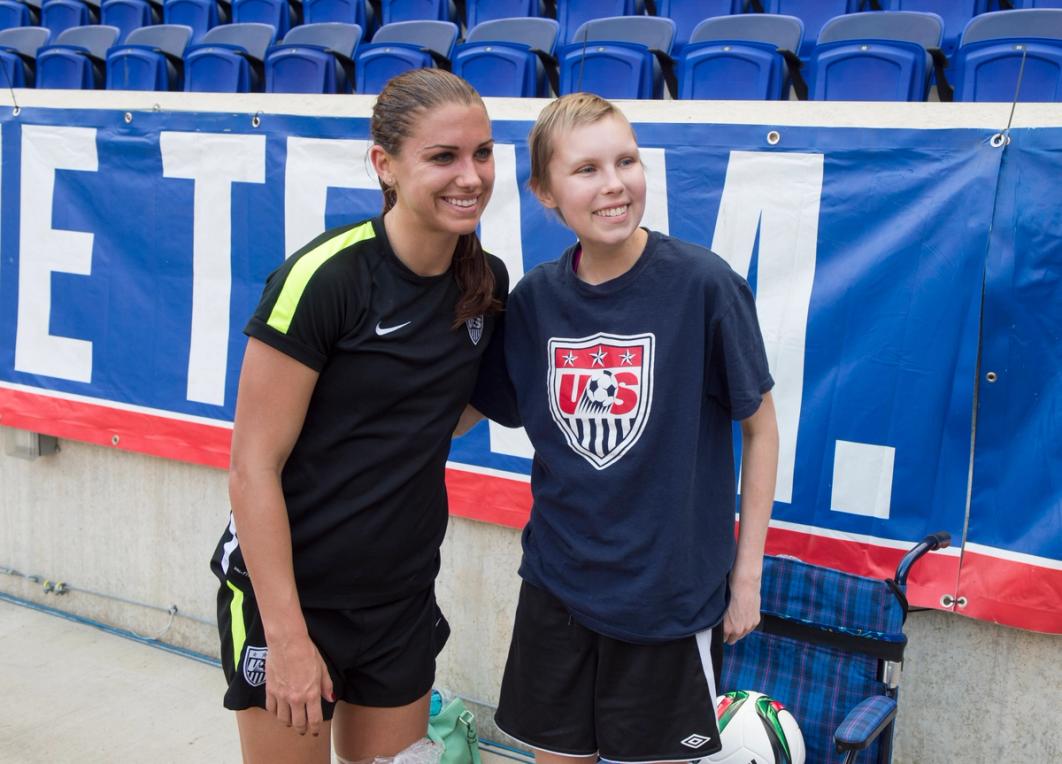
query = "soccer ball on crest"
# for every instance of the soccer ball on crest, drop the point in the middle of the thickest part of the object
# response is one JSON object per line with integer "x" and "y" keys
{"x": 600, "y": 392}
{"x": 756, "y": 729}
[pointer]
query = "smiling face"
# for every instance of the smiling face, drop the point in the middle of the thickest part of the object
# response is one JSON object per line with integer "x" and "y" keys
{"x": 443, "y": 172}
{"x": 596, "y": 181}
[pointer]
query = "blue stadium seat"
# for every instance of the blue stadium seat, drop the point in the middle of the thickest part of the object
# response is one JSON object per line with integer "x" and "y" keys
{"x": 573, "y": 14}
{"x": 228, "y": 59}
{"x": 876, "y": 56}
{"x": 393, "y": 11}
{"x": 956, "y": 14}
{"x": 14, "y": 13}
{"x": 687, "y": 14}
{"x": 1039, "y": 4}
{"x": 478, "y": 11}
{"x": 277, "y": 13}
{"x": 128, "y": 15}
{"x": 743, "y": 57}
{"x": 509, "y": 57}
{"x": 18, "y": 53}
{"x": 997, "y": 47}
{"x": 341, "y": 11}
{"x": 399, "y": 47}
{"x": 76, "y": 59}
{"x": 313, "y": 58}
{"x": 619, "y": 57}
{"x": 150, "y": 59}
{"x": 60, "y": 15}
{"x": 814, "y": 14}
{"x": 200, "y": 15}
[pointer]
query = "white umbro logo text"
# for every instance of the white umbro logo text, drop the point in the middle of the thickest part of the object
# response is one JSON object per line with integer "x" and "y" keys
{"x": 381, "y": 330}
{"x": 696, "y": 741}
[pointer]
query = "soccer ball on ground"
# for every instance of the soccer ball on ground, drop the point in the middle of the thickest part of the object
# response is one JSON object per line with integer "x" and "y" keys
{"x": 756, "y": 729}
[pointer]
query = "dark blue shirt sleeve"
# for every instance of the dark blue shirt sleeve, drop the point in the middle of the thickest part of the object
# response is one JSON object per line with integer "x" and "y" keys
{"x": 737, "y": 372}
{"x": 494, "y": 395}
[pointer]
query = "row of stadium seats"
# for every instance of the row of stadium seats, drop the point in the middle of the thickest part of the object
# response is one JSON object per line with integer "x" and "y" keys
{"x": 201, "y": 15}
{"x": 887, "y": 56}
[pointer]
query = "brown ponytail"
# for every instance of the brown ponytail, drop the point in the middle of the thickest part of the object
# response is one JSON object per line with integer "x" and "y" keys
{"x": 401, "y": 103}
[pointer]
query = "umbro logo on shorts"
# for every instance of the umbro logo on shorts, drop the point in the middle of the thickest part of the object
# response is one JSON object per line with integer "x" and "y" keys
{"x": 254, "y": 659}
{"x": 696, "y": 741}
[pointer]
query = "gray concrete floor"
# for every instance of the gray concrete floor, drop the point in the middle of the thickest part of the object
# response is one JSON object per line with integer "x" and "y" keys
{"x": 73, "y": 693}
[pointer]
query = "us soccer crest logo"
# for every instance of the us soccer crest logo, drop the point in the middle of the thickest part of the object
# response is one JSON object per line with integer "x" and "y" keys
{"x": 601, "y": 392}
{"x": 254, "y": 659}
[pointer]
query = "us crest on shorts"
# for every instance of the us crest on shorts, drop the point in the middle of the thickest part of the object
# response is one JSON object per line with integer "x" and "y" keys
{"x": 254, "y": 659}
{"x": 600, "y": 392}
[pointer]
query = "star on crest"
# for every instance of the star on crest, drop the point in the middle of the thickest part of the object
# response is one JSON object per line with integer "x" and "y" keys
{"x": 627, "y": 358}
{"x": 599, "y": 357}
{"x": 569, "y": 358}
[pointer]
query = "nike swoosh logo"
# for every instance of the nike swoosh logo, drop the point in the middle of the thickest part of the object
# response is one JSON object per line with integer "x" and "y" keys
{"x": 382, "y": 330}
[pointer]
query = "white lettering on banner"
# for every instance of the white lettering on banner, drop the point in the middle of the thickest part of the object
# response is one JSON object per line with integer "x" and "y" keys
{"x": 655, "y": 217}
{"x": 44, "y": 250}
{"x": 214, "y": 161}
{"x": 778, "y": 196}
{"x": 312, "y": 166}
{"x": 500, "y": 233}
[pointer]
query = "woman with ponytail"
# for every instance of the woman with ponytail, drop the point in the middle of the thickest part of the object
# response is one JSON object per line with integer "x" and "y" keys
{"x": 362, "y": 355}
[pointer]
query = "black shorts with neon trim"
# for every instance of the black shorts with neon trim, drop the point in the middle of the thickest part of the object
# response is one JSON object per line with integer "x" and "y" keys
{"x": 571, "y": 691}
{"x": 381, "y": 656}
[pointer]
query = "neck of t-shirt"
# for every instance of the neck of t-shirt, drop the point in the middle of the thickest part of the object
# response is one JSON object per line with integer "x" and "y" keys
{"x": 610, "y": 260}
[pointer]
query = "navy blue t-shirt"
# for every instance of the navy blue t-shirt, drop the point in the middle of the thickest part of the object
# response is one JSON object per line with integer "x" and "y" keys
{"x": 627, "y": 390}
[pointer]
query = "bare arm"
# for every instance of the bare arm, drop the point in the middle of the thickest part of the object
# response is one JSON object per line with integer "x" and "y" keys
{"x": 274, "y": 394}
{"x": 759, "y": 465}
{"x": 470, "y": 417}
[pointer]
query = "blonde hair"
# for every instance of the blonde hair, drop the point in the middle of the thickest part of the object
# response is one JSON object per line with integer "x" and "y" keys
{"x": 560, "y": 116}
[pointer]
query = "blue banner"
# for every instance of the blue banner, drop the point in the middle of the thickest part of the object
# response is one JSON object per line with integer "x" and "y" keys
{"x": 134, "y": 245}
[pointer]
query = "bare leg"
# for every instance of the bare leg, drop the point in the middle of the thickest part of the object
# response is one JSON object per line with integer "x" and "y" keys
{"x": 364, "y": 732}
{"x": 541, "y": 757}
{"x": 264, "y": 740}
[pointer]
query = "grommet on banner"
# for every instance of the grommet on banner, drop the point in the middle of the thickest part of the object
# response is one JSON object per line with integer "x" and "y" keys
{"x": 256, "y": 120}
{"x": 156, "y": 107}
{"x": 16, "y": 111}
{"x": 999, "y": 139}
{"x": 114, "y": 440}
{"x": 128, "y": 117}
{"x": 991, "y": 376}
{"x": 773, "y": 137}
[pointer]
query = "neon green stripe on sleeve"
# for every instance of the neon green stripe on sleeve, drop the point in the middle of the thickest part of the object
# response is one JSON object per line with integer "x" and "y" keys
{"x": 238, "y": 628}
{"x": 301, "y": 273}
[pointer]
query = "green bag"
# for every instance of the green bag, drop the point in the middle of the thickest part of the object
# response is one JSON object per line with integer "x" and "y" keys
{"x": 454, "y": 728}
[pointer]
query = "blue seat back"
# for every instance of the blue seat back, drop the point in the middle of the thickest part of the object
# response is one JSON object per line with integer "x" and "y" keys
{"x": 253, "y": 37}
{"x": 200, "y": 15}
{"x": 609, "y": 69}
{"x": 392, "y": 11}
{"x": 654, "y": 32}
{"x": 500, "y": 69}
{"x": 1041, "y": 4}
{"x": 60, "y": 15}
{"x": 126, "y": 15}
{"x": 1042, "y": 23}
{"x": 989, "y": 70}
{"x": 478, "y": 11}
{"x": 732, "y": 70}
{"x": 302, "y": 69}
{"x": 22, "y": 41}
{"x": 219, "y": 63}
{"x": 814, "y": 13}
{"x": 956, "y": 14}
{"x": 818, "y": 684}
{"x": 572, "y": 14}
{"x": 276, "y": 13}
{"x": 14, "y": 13}
{"x": 342, "y": 38}
{"x": 786, "y": 32}
{"x": 925, "y": 29}
{"x": 868, "y": 70}
{"x": 687, "y": 14}
{"x": 341, "y": 11}
{"x": 69, "y": 64}
{"x": 498, "y": 57}
{"x": 379, "y": 62}
{"x": 437, "y": 36}
{"x": 142, "y": 63}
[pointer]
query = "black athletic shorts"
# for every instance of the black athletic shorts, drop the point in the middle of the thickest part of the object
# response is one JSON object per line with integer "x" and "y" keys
{"x": 571, "y": 691}
{"x": 382, "y": 656}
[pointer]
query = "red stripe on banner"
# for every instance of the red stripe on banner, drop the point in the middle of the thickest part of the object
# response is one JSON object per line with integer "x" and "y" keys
{"x": 117, "y": 428}
{"x": 489, "y": 499}
{"x": 1011, "y": 593}
{"x": 931, "y": 577}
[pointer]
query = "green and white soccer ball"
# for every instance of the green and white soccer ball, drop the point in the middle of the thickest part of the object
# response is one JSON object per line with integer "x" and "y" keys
{"x": 756, "y": 729}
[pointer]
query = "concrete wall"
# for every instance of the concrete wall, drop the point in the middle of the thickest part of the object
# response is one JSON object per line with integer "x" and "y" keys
{"x": 143, "y": 529}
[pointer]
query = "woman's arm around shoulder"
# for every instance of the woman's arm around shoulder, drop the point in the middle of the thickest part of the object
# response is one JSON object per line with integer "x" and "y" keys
{"x": 271, "y": 406}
